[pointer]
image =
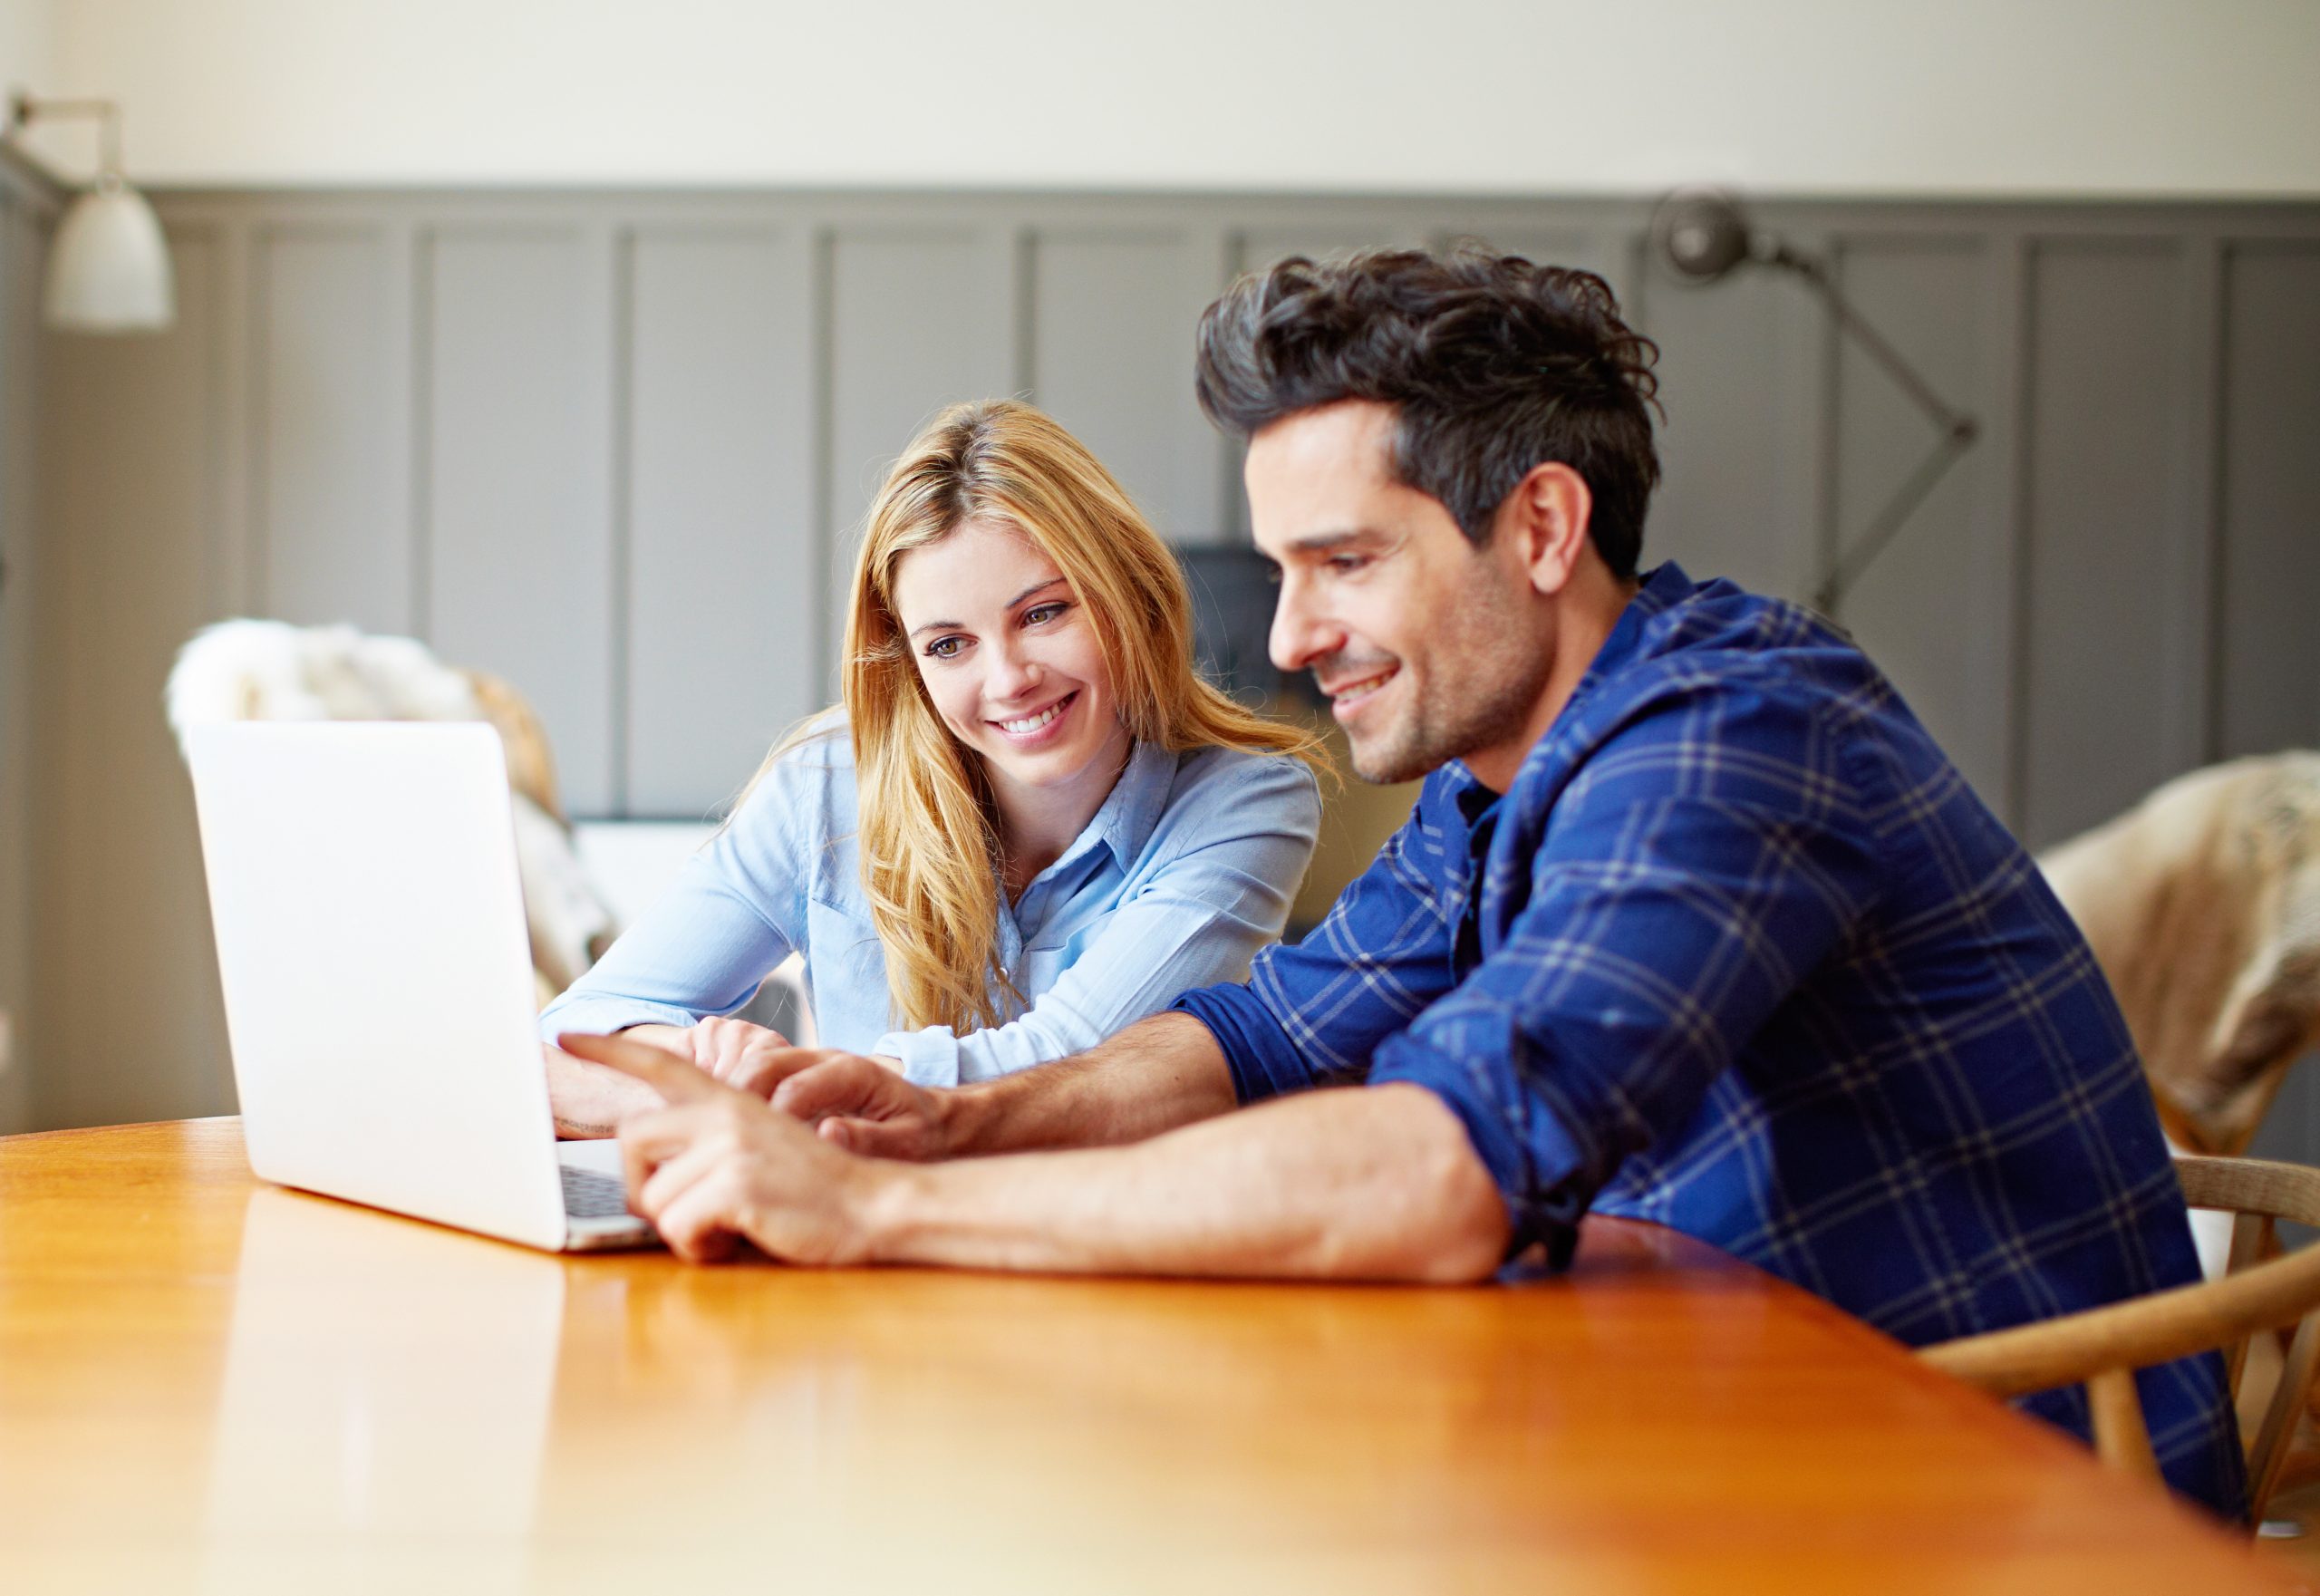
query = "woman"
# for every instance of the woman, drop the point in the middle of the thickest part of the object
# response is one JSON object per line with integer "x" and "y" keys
{"x": 1030, "y": 824}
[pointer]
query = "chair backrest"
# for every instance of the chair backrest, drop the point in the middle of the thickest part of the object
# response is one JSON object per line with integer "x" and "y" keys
{"x": 2105, "y": 1345}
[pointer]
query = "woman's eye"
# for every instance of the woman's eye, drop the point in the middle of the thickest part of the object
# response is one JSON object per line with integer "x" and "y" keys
{"x": 945, "y": 648}
{"x": 1043, "y": 613}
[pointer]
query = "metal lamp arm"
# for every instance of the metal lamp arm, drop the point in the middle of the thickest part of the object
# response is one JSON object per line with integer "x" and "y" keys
{"x": 1956, "y": 423}
{"x": 1703, "y": 235}
{"x": 1958, "y": 429}
{"x": 24, "y": 110}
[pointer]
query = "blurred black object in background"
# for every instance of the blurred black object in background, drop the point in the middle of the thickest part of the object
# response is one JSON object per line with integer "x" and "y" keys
{"x": 1233, "y": 595}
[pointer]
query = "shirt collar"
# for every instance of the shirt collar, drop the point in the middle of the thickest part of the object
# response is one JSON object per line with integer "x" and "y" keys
{"x": 1662, "y": 590}
{"x": 1128, "y": 816}
{"x": 1130, "y": 810}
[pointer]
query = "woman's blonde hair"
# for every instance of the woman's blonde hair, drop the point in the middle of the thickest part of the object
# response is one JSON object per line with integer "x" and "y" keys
{"x": 931, "y": 857}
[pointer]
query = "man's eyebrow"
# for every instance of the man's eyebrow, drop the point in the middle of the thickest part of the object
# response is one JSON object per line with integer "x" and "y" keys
{"x": 1325, "y": 542}
{"x": 1035, "y": 588}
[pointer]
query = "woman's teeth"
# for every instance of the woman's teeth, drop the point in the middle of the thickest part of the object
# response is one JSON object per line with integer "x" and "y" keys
{"x": 1033, "y": 722}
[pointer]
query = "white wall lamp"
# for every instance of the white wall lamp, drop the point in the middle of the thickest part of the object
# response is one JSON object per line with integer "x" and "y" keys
{"x": 109, "y": 266}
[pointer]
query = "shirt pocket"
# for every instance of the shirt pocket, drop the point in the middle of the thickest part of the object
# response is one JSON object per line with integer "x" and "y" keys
{"x": 1044, "y": 963}
{"x": 845, "y": 971}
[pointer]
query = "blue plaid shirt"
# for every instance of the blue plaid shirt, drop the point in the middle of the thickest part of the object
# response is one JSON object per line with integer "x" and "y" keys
{"x": 1740, "y": 953}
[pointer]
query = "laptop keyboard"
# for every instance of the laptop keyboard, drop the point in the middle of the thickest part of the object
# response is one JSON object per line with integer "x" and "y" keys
{"x": 588, "y": 1195}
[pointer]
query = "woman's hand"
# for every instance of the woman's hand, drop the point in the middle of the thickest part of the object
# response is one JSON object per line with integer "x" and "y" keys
{"x": 736, "y": 1052}
{"x": 717, "y": 1166}
{"x": 857, "y": 1102}
{"x": 592, "y": 1103}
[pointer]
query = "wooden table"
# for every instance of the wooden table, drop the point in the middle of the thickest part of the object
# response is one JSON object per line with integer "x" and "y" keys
{"x": 210, "y": 1384}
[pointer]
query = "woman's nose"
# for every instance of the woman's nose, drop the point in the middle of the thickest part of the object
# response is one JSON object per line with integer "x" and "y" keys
{"x": 1013, "y": 674}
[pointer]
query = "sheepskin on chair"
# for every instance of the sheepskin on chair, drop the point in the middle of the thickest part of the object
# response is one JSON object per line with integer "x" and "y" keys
{"x": 272, "y": 671}
{"x": 2203, "y": 905}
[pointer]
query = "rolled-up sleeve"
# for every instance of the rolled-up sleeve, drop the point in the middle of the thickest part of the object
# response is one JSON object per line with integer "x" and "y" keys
{"x": 1313, "y": 1013}
{"x": 1678, "y": 898}
{"x": 1229, "y": 856}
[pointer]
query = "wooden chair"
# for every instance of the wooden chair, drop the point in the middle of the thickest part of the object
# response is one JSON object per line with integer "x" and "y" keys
{"x": 2103, "y": 1347}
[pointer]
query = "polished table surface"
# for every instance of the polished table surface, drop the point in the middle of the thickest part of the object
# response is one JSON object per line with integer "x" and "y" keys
{"x": 210, "y": 1384}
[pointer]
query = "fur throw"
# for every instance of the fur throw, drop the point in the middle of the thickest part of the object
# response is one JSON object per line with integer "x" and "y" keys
{"x": 2203, "y": 905}
{"x": 272, "y": 671}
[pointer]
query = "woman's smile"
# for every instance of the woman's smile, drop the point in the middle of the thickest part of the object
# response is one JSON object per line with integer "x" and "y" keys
{"x": 1041, "y": 726}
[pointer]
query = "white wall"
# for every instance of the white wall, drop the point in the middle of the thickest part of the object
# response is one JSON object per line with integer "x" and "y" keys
{"x": 1909, "y": 97}
{"x": 27, "y": 44}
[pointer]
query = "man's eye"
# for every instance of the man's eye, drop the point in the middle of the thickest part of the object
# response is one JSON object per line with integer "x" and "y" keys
{"x": 1346, "y": 564}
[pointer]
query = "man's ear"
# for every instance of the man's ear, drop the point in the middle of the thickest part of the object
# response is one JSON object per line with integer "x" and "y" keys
{"x": 1547, "y": 516}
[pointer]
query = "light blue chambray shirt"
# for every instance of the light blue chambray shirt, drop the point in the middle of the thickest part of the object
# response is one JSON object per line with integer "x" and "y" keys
{"x": 1186, "y": 870}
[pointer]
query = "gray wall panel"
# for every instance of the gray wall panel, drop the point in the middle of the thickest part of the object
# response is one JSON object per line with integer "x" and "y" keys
{"x": 329, "y": 448}
{"x": 1736, "y": 372}
{"x": 723, "y": 568}
{"x": 1934, "y": 608}
{"x": 1258, "y": 247}
{"x": 130, "y": 1022}
{"x": 519, "y": 534}
{"x": 2270, "y": 693}
{"x": 2118, "y": 633}
{"x": 1112, "y": 323}
{"x": 1610, "y": 255}
{"x": 918, "y": 319}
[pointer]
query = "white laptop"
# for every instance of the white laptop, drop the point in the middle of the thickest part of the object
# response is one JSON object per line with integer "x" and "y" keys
{"x": 377, "y": 969}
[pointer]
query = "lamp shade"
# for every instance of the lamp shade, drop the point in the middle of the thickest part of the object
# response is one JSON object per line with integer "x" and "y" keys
{"x": 109, "y": 268}
{"x": 1701, "y": 234}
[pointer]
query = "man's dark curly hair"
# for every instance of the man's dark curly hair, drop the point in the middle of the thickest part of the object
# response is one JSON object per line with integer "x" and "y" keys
{"x": 1494, "y": 365}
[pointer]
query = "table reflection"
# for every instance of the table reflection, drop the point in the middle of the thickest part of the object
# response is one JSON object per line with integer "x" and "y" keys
{"x": 387, "y": 1388}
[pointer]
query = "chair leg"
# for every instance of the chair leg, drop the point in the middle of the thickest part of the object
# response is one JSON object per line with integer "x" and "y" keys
{"x": 2251, "y": 1235}
{"x": 2121, "y": 1438}
{"x": 2269, "y": 1454}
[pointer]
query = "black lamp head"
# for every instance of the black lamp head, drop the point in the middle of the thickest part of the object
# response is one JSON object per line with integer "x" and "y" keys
{"x": 1701, "y": 234}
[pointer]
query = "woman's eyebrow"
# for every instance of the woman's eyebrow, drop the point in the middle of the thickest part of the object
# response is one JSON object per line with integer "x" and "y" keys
{"x": 1032, "y": 592}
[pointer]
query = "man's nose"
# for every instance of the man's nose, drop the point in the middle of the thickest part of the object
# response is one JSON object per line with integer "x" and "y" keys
{"x": 1301, "y": 634}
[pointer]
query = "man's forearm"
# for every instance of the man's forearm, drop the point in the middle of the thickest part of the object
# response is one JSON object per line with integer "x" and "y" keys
{"x": 1356, "y": 1182}
{"x": 1157, "y": 1074}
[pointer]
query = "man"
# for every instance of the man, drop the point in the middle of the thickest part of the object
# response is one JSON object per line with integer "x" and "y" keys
{"x": 1692, "y": 922}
